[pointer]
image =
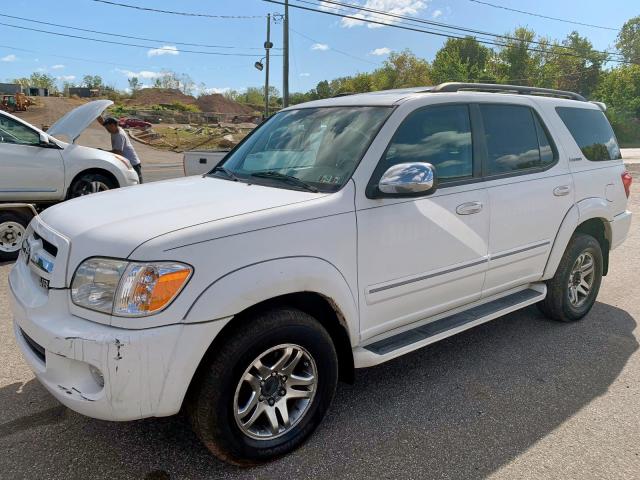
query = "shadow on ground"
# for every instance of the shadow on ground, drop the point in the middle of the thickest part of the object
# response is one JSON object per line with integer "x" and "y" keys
{"x": 461, "y": 408}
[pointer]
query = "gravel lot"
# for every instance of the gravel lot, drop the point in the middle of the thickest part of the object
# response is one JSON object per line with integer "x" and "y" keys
{"x": 520, "y": 397}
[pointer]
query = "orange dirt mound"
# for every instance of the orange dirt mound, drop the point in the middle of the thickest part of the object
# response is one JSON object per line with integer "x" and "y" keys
{"x": 155, "y": 96}
{"x": 217, "y": 103}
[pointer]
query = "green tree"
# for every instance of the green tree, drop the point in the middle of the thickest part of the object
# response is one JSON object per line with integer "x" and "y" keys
{"x": 92, "y": 81}
{"x": 515, "y": 63}
{"x": 462, "y": 60}
{"x": 629, "y": 40}
{"x": 42, "y": 80}
{"x": 134, "y": 84}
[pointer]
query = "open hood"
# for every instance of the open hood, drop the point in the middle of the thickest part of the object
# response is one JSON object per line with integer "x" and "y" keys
{"x": 74, "y": 122}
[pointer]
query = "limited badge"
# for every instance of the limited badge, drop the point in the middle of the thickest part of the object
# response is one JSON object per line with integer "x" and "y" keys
{"x": 44, "y": 283}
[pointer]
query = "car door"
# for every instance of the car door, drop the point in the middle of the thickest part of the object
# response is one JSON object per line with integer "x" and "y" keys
{"x": 30, "y": 171}
{"x": 530, "y": 191}
{"x": 418, "y": 257}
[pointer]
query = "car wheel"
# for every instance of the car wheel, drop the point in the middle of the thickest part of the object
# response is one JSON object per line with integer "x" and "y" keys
{"x": 13, "y": 227}
{"x": 89, "y": 183}
{"x": 573, "y": 290}
{"x": 266, "y": 388}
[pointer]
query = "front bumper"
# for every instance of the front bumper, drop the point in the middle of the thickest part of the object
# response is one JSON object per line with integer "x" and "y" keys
{"x": 145, "y": 372}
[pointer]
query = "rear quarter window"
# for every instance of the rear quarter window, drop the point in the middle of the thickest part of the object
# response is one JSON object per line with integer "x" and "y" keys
{"x": 592, "y": 132}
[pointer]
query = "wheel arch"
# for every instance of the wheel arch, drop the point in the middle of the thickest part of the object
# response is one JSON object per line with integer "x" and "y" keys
{"x": 94, "y": 170}
{"x": 590, "y": 216}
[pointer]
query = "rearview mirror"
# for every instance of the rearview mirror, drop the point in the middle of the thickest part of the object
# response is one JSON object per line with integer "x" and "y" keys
{"x": 408, "y": 179}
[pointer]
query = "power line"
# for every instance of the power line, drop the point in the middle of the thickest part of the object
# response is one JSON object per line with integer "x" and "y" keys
{"x": 431, "y": 32}
{"x": 333, "y": 49}
{"x": 112, "y": 42}
{"x": 542, "y": 16}
{"x": 186, "y": 14}
{"x": 440, "y": 24}
{"x": 125, "y": 36}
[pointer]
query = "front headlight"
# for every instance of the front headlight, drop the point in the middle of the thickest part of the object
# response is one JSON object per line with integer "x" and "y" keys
{"x": 127, "y": 289}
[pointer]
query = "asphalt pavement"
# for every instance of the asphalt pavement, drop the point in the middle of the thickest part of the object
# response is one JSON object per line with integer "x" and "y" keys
{"x": 519, "y": 397}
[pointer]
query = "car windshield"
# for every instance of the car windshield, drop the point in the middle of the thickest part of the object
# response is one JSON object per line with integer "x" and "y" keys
{"x": 314, "y": 149}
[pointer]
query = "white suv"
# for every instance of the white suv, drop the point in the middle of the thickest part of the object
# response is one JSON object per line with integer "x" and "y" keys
{"x": 340, "y": 234}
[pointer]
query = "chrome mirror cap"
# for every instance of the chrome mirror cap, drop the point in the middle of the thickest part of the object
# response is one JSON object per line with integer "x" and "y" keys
{"x": 414, "y": 178}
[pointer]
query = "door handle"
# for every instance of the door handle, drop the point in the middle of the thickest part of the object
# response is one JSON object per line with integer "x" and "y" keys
{"x": 562, "y": 190}
{"x": 469, "y": 208}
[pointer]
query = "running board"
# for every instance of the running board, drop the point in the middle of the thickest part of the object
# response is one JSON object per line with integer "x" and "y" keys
{"x": 409, "y": 340}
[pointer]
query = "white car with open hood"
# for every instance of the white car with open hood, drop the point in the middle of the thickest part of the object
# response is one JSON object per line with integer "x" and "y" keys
{"x": 338, "y": 235}
{"x": 39, "y": 167}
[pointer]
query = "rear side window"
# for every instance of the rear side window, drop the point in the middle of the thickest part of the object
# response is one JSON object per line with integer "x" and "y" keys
{"x": 592, "y": 132}
{"x": 439, "y": 135}
{"x": 515, "y": 139}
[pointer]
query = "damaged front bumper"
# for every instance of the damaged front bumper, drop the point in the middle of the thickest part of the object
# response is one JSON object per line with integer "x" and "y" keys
{"x": 102, "y": 371}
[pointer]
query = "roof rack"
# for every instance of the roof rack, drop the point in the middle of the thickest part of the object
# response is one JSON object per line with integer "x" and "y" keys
{"x": 522, "y": 90}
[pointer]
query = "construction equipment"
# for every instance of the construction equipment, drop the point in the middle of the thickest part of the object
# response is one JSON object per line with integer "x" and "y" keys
{"x": 15, "y": 103}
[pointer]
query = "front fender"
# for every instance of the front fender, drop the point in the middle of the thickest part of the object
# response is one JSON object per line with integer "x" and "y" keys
{"x": 579, "y": 213}
{"x": 240, "y": 289}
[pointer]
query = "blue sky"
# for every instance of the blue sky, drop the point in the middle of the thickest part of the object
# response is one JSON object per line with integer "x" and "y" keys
{"x": 314, "y": 56}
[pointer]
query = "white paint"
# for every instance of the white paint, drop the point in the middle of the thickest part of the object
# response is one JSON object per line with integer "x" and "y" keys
{"x": 388, "y": 265}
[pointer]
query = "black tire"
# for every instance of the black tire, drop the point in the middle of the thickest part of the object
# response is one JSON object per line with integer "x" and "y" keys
{"x": 11, "y": 236}
{"x": 89, "y": 183}
{"x": 211, "y": 402}
{"x": 557, "y": 304}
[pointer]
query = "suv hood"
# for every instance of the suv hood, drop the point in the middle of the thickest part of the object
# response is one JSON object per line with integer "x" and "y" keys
{"x": 116, "y": 222}
{"x": 74, "y": 122}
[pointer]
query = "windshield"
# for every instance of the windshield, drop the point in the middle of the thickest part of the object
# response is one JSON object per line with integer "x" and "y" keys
{"x": 315, "y": 149}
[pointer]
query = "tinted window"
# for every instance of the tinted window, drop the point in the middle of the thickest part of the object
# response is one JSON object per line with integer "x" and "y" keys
{"x": 437, "y": 135}
{"x": 15, "y": 132}
{"x": 547, "y": 150}
{"x": 592, "y": 132}
{"x": 512, "y": 135}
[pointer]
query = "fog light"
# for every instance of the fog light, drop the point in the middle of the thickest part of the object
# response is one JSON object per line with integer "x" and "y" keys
{"x": 97, "y": 375}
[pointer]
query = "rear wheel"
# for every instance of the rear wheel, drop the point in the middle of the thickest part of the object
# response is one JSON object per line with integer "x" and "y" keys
{"x": 266, "y": 389}
{"x": 573, "y": 290}
{"x": 12, "y": 232}
{"x": 89, "y": 183}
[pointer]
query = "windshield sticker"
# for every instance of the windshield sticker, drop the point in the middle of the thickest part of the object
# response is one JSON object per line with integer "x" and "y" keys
{"x": 329, "y": 179}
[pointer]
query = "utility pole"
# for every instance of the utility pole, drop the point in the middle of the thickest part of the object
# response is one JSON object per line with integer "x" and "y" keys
{"x": 285, "y": 63}
{"x": 267, "y": 47}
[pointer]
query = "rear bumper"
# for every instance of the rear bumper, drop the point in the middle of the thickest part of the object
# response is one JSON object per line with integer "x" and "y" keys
{"x": 145, "y": 372}
{"x": 620, "y": 226}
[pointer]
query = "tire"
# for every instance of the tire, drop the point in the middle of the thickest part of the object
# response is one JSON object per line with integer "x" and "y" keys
{"x": 88, "y": 183}
{"x": 12, "y": 232}
{"x": 560, "y": 303}
{"x": 219, "y": 393}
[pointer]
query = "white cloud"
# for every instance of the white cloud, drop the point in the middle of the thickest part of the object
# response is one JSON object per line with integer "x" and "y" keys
{"x": 57, "y": 67}
{"x": 141, "y": 74}
{"x": 305, "y": 74}
{"x": 66, "y": 78}
{"x": 320, "y": 46}
{"x": 436, "y": 13}
{"x": 380, "y": 51}
{"x": 395, "y": 7}
{"x": 41, "y": 69}
{"x": 9, "y": 58}
{"x": 210, "y": 90}
{"x": 164, "y": 50}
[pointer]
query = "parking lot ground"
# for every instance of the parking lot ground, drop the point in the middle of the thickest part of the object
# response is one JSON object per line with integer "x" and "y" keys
{"x": 519, "y": 397}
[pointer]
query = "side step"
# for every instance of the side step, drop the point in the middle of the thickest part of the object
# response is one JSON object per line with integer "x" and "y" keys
{"x": 409, "y": 340}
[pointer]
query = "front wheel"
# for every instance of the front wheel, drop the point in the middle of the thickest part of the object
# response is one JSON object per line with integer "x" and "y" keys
{"x": 89, "y": 183}
{"x": 573, "y": 290}
{"x": 266, "y": 389}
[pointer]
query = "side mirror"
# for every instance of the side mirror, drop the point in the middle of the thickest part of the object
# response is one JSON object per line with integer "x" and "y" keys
{"x": 408, "y": 179}
{"x": 44, "y": 139}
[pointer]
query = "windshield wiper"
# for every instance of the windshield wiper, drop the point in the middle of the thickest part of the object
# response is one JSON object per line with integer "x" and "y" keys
{"x": 225, "y": 171}
{"x": 290, "y": 179}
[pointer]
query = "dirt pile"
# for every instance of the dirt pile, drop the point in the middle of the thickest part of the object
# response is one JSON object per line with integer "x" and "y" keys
{"x": 217, "y": 103}
{"x": 156, "y": 96}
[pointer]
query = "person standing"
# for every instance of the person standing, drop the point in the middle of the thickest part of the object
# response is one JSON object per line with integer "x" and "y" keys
{"x": 121, "y": 144}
